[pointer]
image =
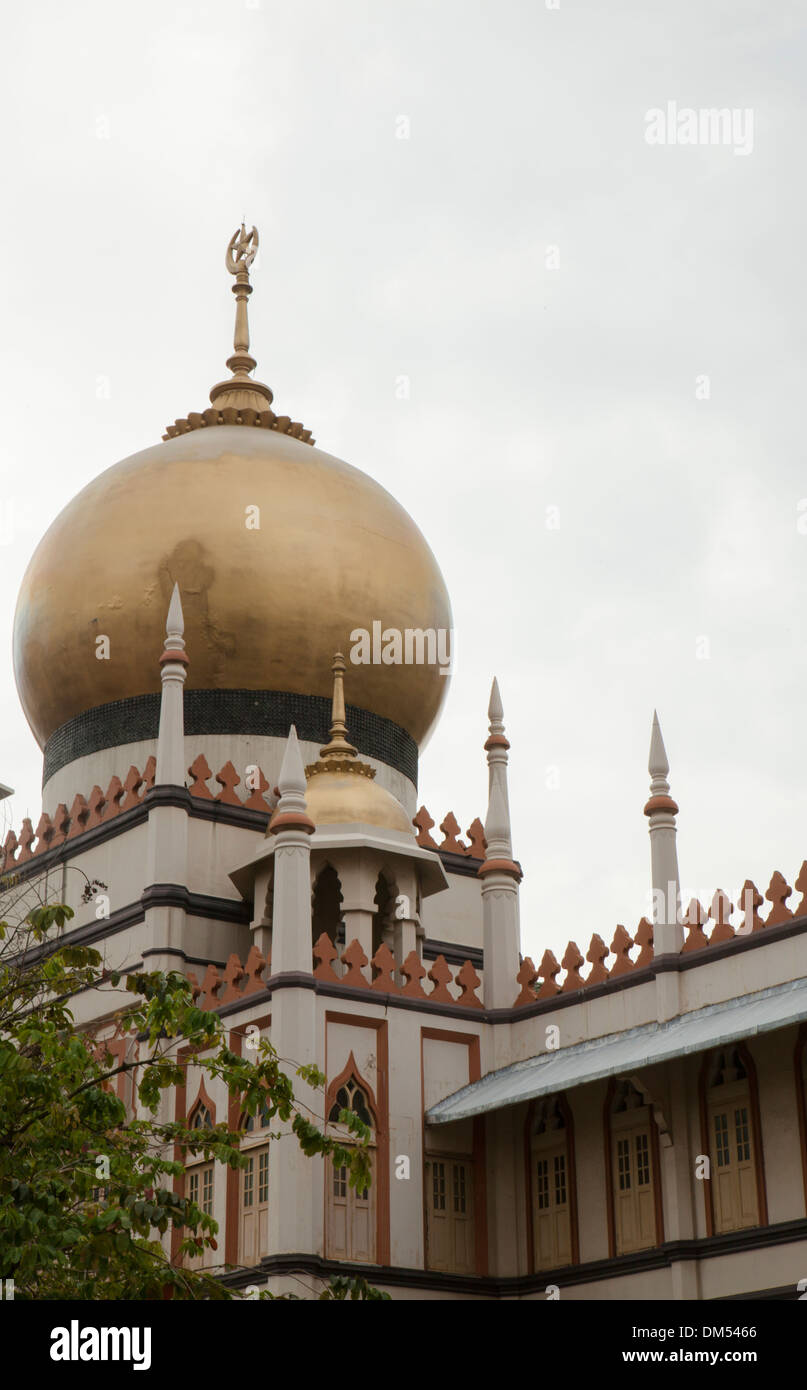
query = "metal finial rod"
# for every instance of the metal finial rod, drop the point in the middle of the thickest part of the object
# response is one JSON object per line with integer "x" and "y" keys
{"x": 337, "y": 742}
{"x": 241, "y": 251}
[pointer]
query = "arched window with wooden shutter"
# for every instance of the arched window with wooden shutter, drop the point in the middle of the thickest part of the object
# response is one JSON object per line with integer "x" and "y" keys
{"x": 635, "y": 1212}
{"x": 736, "y": 1194}
{"x": 350, "y": 1212}
{"x": 551, "y": 1183}
{"x": 253, "y": 1202}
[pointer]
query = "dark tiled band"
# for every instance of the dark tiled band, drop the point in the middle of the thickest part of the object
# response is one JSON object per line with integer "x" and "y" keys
{"x": 262, "y": 713}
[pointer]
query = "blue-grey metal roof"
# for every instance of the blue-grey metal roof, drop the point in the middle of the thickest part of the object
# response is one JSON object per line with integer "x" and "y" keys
{"x": 620, "y": 1054}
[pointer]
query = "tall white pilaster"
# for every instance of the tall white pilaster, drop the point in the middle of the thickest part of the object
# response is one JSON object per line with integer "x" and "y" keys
{"x": 499, "y": 873}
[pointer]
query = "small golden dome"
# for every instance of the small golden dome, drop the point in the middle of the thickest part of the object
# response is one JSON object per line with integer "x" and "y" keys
{"x": 339, "y": 798}
{"x": 341, "y": 789}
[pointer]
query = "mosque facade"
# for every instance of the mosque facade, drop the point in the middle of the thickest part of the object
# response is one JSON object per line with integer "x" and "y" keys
{"x": 626, "y": 1123}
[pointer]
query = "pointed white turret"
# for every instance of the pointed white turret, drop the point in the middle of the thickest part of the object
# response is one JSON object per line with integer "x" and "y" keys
{"x": 661, "y": 811}
{"x": 291, "y": 827}
{"x": 167, "y": 842}
{"x": 173, "y": 662}
{"x": 499, "y": 873}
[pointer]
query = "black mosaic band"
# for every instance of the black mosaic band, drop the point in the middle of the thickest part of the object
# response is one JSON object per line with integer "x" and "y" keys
{"x": 262, "y": 713}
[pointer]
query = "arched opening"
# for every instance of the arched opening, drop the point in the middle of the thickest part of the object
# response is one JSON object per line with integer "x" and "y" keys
{"x": 200, "y": 1172}
{"x": 552, "y": 1183}
{"x": 384, "y": 916}
{"x": 350, "y": 1214}
{"x": 326, "y": 907}
{"x": 735, "y": 1175}
{"x": 253, "y": 1204}
{"x": 635, "y": 1195}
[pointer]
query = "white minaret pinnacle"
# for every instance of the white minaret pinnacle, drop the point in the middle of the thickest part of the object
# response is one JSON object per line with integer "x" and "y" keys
{"x": 291, "y": 782}
{"x": 173, "y": 662}
{"x": 167, "y": 841}
{"x": 661, "y": 811}
{"x": 500, "y": 875}
{"x": 292, "y": 828}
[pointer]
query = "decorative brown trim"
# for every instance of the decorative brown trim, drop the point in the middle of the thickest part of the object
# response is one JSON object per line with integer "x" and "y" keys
{"x": 379, "y": 1103}
{"x": 291, "y": 820}
{"x": 756, "y": 1129}
{"x": 479, "y": 1142}
{"x": 500, "y": 866}
{"x": 661, "y": 803}
{"x": 569, "y": 1277}
{"x": 705, "y": 1146}
{"x": 801, "y": 1101}
{"x": 572, "y": 1178}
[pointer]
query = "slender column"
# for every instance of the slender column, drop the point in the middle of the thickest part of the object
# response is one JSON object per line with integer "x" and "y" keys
{"x": 167, "y": 840}
{"x": 292, "y": 829}
{"x": 499, "y": 873}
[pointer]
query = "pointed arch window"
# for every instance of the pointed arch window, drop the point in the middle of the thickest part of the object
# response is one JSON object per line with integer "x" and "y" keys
{"x": 350, "y": 1212}
{"x": 735, "y": 1187}
{"x": 253, "y": 1197}
{"x": 635, "y": 1196}
{"x": 200, "y": 1175}
{"x": 552, "y": 1183}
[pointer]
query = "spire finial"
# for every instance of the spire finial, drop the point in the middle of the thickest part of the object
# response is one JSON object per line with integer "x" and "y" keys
{"x": 497, "y": 822}
{"x": 174, "y": 646}
{"x": 170, "y": 770}
{"x": 175, "y": 622}
{"x": 337, "y": 746}
{"x": 495, "y": 710}
{"x": 291, "y": 782}
{"x": 241, "y": 391}
{"x": 290, "y": 811}
{"x": 657, "y": 764}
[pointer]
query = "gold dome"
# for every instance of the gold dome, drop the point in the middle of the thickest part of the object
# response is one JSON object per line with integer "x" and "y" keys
{"x": 264, "y": 608}
{"x": 336, "y": 798}
{"x": 280, "y": 551}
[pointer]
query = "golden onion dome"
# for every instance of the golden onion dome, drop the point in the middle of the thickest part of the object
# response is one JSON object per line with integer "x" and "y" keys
{"x": 280, "y": 550}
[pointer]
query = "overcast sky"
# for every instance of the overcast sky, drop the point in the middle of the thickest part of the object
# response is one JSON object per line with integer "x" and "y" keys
{"x": 134, "y": 138}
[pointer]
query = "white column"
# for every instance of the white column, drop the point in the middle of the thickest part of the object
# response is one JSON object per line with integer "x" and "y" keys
{"x": 167, "y": 839}
{"x": 295, "y": 1182}
{"x": 499, "y": 873}
{"x": 661, "y": 811}
{"x": 292, "y": 829}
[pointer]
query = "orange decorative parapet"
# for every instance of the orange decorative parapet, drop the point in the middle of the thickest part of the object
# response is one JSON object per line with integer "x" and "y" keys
{"x": 778, "y": 893}
{"x": 526, "y": 977}
{"x": 469, "y": 982}
{"x": 451, "y": 843}
{"x": 571, "y": 963}
{"x": 423, "y": 823}
{"x": 101, "y": 807}
{"x": 384, "y": 966}
{"x": 695, "y": 919}
{"x": 324, "y": 953}
{"x": 596, "y": 954}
